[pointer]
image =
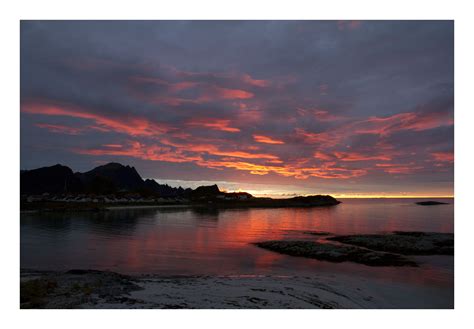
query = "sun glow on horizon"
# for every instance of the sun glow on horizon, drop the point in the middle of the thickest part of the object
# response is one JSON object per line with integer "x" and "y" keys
{"x": 278, "y": 191}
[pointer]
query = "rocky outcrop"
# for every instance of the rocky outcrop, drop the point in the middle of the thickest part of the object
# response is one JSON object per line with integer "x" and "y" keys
{"x": 405, "y": 243}
{"x": 335, "y": 253}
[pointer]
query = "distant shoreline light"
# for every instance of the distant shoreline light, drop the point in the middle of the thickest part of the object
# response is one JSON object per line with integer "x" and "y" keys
{"x": 279, "y": 191}
{"x": 393, "y": 196}
{"x": 348, "y": 196}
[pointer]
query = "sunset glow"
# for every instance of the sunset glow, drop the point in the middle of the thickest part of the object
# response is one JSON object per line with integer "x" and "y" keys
{"x": 361, "y": 111}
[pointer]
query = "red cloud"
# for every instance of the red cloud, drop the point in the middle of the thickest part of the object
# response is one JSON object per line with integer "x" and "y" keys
{"x": 403, "y": 121}
{"x": 60, "y": 129}
{"x": 175, "y": 152}
{"x": 169, "y": 86}
{"x": 254, "y": 82}
{"x": 113, "y": 145}
{"x": 322, "y": 156}
{"x": 142, "y": 151}
{"x": 215, "y": 124}
{"x": 321, "y": 115}
{"x": 354, "y": 156}
{"x": 312, "y": 138}
{"x": 443, "y": 156}
{"x": 326, "y": 116}
{"x": 211, "y": 93}
{"x": 134, "y": 126}
{"x": 206, "y": 88}
{"x": 214, "y": 150}
{"x": 382, "y": 126}
{"x": 392, "y": 168}
{"x": 266, "y": 140}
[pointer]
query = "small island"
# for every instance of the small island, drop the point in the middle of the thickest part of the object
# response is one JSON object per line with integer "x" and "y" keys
{"x": 430, "y": 203}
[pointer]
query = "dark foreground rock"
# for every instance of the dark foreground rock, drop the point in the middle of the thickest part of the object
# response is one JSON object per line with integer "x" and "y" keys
{"x": 406, "y": 243}
{"x": 73, "y": 288}
{"x": 430, "y": 203}
{"x": 335, "y": 253}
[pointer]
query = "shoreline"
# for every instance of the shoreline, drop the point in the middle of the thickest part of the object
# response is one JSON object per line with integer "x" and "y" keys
{"x": 265, "y": 203}
{"x": 90, "y": 289}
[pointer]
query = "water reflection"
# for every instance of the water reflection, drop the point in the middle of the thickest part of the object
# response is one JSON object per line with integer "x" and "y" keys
{"x": 212, "y": 241}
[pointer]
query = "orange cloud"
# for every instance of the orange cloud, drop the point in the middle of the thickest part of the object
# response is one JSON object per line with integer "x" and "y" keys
{"x": 175, "y": 152}
{"x": 212, "y": 149}
{"x": 113, "y": 145}
{"x": 266, "y": 140}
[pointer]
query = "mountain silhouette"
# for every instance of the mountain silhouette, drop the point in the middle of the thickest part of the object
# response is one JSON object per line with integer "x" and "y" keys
{"x": 206, "y": 191}
{"x": 110, "y": 178}
{"x": 107, "y": 179}
{"x": 125, "y": 182}
{"x": 54, "y": 179}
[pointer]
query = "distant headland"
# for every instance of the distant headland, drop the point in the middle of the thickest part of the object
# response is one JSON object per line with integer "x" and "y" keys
{"x": 59, "y": 188}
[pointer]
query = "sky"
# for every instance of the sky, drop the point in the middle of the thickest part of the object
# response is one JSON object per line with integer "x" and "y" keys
{"x": 348, "y": 108}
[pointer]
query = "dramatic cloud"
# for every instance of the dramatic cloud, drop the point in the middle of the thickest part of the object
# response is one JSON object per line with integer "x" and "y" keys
{"x": 266, "y": 140}
{"x": 323, "y": 106}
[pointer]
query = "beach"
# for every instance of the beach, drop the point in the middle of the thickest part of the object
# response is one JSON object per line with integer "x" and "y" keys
{"x": 109, "y": 290}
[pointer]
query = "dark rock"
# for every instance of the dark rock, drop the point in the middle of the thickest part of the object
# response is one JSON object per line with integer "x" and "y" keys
{"x": 406, "y": 243}
{"x": 335, "y": 253}
{"x": 75, "y": 288}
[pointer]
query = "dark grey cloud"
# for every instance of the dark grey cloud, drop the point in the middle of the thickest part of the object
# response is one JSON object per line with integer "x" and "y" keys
{"x": 219, "y": 83}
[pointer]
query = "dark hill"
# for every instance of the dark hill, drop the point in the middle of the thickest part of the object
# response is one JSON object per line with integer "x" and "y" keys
{"x": 54, "y": 179}
{"x": 121, "y": 182}
{"x": 110, "y": 178}
{"x": 165, "y": 191}
{"x": 210, "y": 191}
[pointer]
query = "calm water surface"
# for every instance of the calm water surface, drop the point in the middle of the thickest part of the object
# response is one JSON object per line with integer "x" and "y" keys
{"x": 218, "y": 242}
